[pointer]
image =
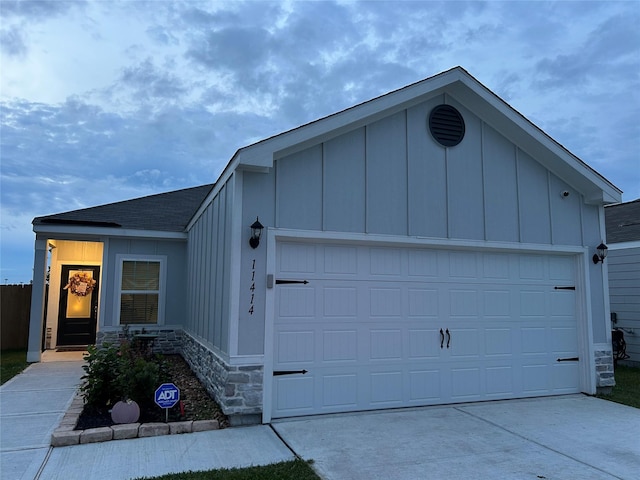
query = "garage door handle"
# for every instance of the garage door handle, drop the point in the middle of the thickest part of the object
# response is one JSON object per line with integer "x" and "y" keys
{"x": 441, "y": 338}
{"x": 448, "y": 338}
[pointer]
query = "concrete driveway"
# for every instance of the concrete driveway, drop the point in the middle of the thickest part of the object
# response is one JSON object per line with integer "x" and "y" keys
{"x": 569, "y": 437}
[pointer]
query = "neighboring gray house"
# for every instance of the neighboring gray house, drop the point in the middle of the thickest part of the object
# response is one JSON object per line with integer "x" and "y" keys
{"x": 429, "y": 246}
{"x": 623, "y": 237}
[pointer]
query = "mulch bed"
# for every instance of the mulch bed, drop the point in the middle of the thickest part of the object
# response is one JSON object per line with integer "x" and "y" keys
{"x": 195, "y": 402}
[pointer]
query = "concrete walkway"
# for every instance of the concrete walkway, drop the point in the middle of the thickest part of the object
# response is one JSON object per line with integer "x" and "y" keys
{"x": 561, "y": 438}
{"x": 33, "y": 403}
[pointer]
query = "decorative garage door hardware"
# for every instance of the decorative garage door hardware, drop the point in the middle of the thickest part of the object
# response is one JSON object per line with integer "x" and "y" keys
{"x": 286, "y": 282}
{"x": 565, "y": 288}
{"x": 442, "y": 338}
{"x": 288, "y": 372}
{"x": 570, "y": 359}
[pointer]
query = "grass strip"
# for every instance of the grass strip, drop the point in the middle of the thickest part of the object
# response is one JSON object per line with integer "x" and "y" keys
{"x": 627, "y": 389}
{"x": 12, "y": 362}
{"x": 292, "y": 470}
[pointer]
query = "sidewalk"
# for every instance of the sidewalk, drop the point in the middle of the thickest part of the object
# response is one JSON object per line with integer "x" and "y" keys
{"x": 33, "y": 403}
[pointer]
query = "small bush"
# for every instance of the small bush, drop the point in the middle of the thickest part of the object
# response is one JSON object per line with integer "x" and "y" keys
{"x": 122, "y": 372}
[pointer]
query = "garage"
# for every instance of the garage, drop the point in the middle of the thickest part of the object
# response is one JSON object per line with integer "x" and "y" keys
{"x": 397, "y": 326}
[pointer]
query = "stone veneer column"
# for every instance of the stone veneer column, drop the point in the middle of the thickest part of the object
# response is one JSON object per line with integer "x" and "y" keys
{"x": 604, "y": 370}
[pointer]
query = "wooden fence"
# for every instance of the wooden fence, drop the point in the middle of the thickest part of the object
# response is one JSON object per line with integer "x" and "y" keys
{"x": 14, "y": 316}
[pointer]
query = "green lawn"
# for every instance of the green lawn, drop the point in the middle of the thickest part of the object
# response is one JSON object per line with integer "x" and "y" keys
{"x": 12, "y": 362}
{"x": 293, "y": 470}
{"x": 627, "y": 389}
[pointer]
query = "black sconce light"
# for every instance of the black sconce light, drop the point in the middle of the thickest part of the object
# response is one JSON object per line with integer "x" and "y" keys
{"x": 256, "y": 231}
{"x": 601, "y": 253}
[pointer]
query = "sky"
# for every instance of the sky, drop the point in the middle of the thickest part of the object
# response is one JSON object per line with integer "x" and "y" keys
{"x": 103, "y": 101}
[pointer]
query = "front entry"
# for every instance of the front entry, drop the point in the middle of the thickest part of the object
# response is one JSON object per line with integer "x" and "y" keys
{"x": 78, "y": 310}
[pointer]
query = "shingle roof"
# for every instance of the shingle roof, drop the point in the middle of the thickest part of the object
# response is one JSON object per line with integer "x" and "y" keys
{"x": 169, "y": 212}
{"x": 623, "y": 222}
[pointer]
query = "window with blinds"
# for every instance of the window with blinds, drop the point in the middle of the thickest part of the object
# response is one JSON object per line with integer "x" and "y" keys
{"x": 139, "y": 292}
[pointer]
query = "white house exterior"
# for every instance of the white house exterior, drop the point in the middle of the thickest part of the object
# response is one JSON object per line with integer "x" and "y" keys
{"x": 430, "y": 246}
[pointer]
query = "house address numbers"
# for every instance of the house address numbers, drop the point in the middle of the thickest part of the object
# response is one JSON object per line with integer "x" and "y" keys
{"x": 252, "y": 289}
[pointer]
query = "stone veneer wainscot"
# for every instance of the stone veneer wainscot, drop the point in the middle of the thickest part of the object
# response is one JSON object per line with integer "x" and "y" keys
{"x": 237, "y": 388}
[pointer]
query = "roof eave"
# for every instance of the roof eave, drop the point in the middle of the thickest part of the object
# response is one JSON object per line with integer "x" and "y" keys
{"x": 76, "y": 231}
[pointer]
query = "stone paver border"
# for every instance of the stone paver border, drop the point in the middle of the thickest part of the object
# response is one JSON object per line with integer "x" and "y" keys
{"x": 66, "y": 435}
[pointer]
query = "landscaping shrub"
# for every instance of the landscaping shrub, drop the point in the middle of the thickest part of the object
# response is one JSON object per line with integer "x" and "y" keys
{"x": 120, "y": 372}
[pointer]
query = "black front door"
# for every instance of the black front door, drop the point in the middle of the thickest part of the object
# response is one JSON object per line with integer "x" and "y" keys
{"x": 78, "y": 312}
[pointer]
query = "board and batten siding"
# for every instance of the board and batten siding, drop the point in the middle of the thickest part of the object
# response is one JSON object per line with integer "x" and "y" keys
{"x": 624, "y": 294}
{"x": 175, "y": 253}
{"x": 207, "y": 314}
{"x": 390, "y": 177}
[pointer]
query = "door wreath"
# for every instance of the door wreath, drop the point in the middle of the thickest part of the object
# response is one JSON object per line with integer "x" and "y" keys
{"x": 81, "y": 284}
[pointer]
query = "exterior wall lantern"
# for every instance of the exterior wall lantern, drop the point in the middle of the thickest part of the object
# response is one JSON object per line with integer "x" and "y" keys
{"x": 601, "y": 253}
{"x": 256, "y": 231}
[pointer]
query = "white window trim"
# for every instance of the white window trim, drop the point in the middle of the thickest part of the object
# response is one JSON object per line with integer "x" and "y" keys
{"x": 162, "y": 291}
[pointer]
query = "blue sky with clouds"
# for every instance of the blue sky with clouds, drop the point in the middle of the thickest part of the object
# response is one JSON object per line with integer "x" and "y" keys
{"x": 104, "y": 101}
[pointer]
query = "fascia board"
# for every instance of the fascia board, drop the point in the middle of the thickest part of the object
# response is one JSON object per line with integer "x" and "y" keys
{"x": 77, "y": 232}
{"x": 534, "y": 141}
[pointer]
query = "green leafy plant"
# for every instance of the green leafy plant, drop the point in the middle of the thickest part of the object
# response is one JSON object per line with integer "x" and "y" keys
{"x": 123, "y": 372}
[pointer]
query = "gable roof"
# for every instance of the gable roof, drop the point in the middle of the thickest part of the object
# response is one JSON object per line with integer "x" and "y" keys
{"x": 623, "y": 222}
{"x": 464, "y": 88}
{"x": 164, "y": 212}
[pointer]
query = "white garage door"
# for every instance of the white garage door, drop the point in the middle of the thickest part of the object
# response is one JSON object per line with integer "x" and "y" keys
{"x": 385, "y": 327}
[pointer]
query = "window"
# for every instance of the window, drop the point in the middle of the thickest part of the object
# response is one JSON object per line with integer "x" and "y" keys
{"x": 141, "y": 294}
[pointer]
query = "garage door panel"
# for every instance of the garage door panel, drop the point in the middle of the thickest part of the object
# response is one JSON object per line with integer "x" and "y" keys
{"x": 340, "y": 260}
{"x": 565, "y": 377}
{"x": 367, "y": 327}
{"x": 385, "y": 302}
{"x": 499, "y": 381}
{"x": 465, "y": 383}
{"x": 534, "y": 340}
{"x": 496, "y": 267}
{"x": 423, "y": 263}
{"x": 297, "y": 258}
{"x": 340, "y": 390}
{"x": 424, "y": 343}
{"x": 497, "y": 303}
{"x": 340, "y": 346}
{"x": 296, "y": 302}
{"x": 294, "y": 395}
{"x": 563, "y": 304}
{"x": 498, "y": 342}
{"x": 423, "y": 302}
{"x": 385, "y": 345}
{"x": 386, "y": 388}
{"x": 386, "y": 261}
{"x": 564, "y": 340}
{"x": 535, "y": 379}
{"x": 424, "y": 385}
{"x": 295, "y": 347}
{"x": 340, "y": 301}
{"x": 532, "y": 303}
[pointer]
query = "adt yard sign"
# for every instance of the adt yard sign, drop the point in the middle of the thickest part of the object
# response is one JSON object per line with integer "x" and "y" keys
{"x": 167, "y": 395}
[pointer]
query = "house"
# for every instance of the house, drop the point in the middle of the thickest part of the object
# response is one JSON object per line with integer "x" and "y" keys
{"x": 429, "y": 246}
{"x": 623, "y": 238}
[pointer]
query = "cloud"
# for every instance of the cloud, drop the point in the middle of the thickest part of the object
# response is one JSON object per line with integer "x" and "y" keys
{"x": 608, "y": 52}
{"x": 12, "y": 42}
{"x": 38, "y": 9}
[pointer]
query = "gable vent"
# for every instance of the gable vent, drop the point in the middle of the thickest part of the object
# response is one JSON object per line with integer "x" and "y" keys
{"x": 446, "y": 125}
